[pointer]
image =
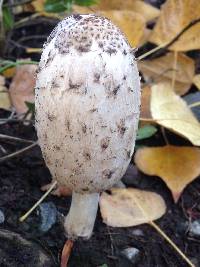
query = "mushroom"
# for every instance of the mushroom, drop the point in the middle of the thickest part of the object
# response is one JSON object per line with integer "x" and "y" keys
{"x": 87, "y": 111}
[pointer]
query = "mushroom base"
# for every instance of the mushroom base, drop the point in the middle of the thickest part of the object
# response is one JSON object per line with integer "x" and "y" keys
{"x": 82, "y": 214}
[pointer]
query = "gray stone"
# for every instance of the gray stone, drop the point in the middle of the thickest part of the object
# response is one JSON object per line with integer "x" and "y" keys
{"x": 137, "y": 232}
{"x": 132, "y": 254}
{"x": 2, "y": 217}
{"x": 48, "y": 214}
{"x": 194, "y": 228}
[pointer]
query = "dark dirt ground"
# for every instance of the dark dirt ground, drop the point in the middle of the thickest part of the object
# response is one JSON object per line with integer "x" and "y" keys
{"x": 20, "y": 182}
{"x": 22, "y": 177}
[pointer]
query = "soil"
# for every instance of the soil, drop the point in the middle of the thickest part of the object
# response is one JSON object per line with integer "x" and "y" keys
{"x": 20, "y": 182}
{"x": 22, "y": 177}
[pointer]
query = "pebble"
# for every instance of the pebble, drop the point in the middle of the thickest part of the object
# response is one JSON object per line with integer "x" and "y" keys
{"x": 137, "y": 232}
{"x": 131, "y": 177}
{"x": 132, "y": 254}
{"x": 2, "y": 217}
{"x": 48, "y": 214}
{"x": 194, "y": 228}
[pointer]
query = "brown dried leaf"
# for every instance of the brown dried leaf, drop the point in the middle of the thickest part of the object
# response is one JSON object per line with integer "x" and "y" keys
{"x": 162, "y": 69}
{"x": 172, "y": 112}
{"x": 131, "y": 23}
{"x": 130, "y": 207}
{"x": 22, "y": 87}
{"x": 196, "y": 81}
{"x": 175, "y": 16}
{"x": 177, "y": 166}
{"x": 147, "y": 11}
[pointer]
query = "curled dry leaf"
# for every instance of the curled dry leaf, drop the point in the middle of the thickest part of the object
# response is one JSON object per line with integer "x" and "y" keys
{"x": 147, "y": 11}
{"x": 130, "y": 207}
{"x": 177, "y": 166}
{"x": 175, "y": 16}
{"x": 196, "y": 81}
{"x": 125, "y": 19}
{"x": 162, "y": 70}
{"x": 4, "y": 97}
{"x": 172, "y": 112}
{"x": 22, "y": 87}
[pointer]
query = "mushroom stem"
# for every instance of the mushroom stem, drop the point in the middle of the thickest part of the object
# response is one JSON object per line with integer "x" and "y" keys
{"x": 82, "y": 214}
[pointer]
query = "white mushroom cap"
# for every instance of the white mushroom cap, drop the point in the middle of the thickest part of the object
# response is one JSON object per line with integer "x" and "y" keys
{"x": 87, "y": 103}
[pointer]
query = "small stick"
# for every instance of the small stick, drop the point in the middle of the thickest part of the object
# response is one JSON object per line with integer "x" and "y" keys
{"x": 155, "y": 226}
{"x": 8, "y": 137}
{"x": 12, "y": 155}
{"x": 66, "y": 252}
{"x": 151, "y": 52}
{"x": 24, "y": 217}
{"x": 175, "y": 69}
{"x": 193, "y": 105}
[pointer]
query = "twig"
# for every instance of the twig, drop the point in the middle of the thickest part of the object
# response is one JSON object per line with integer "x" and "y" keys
{"x": 164, "y": 135}
{"x": 17, "y": 153}
{"x": 21, "y": 219}
{"x": 175, "y": 69}
{"x": 66, "y": 252}
{"x": 160, "y": 231}
{"x": 8, "y": 137}
{"x": 157, "y": 51}
{"x": 193, "y": 105}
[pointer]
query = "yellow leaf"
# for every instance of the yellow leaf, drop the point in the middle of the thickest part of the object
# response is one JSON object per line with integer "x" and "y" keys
{"x": 38, "y": 5}
{"x": 161, "y": 70}
{"x": 177, "y": 166}
{"x": 4, "y": 97}
{"x": 196, "y": 81}
{"x": 22, "y": 87}
{"x": 175, "y": 16}
{"x": 9, "y": 73}
{"x": 172, "y": 112}
{"x": 131, "y": 23}
{"x": 130, "y": 207}
{"x": 147, "y": 11}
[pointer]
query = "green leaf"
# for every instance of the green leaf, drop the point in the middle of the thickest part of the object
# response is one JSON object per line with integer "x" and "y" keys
{"x": 8, "y": 20}
{"x": 146, "y": 132}
{"x": 56, "y": 6}
{"x": 7, "y": 64}
{"x": 31, "y": 109}
{"x": 85, "y": 2}
{"x": 104, "y": 265}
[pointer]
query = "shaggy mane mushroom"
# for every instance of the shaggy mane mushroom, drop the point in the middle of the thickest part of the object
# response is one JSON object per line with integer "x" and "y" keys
{"x": 87, "y": 110}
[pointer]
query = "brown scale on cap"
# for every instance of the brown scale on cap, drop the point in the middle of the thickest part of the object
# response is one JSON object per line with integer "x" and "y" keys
{"x": 80, "y": 31}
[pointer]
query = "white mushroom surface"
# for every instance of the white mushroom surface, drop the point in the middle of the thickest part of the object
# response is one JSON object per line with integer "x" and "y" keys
{"x": 87, "y": 111}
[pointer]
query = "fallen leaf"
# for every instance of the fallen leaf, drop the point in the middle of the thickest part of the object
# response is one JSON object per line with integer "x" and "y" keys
{"x": 145, "y": 37}
{"x": 196, "y": 81}
{"x": 130, "y": 207}
{"x": 22, "y": 87}
{"x": 177, "y": 166}
{"x": 131, "y": 23}
{"x": 38, "y": 5}
{"x": 9, "y": 73}
{"x": 162, "y": 70}
{"x": 175, "y": 16}
{"x": 4, "y": 96}
{"x": 172, "y": 112}
{"x": 145, "y": 132}
{"x": 145, "y": 112}
{"x": 147, "y": 11}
